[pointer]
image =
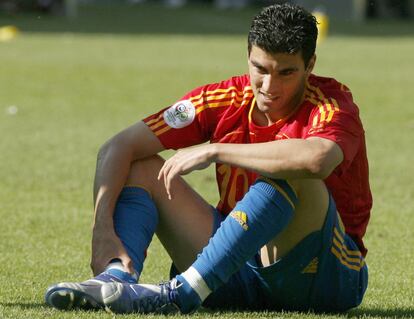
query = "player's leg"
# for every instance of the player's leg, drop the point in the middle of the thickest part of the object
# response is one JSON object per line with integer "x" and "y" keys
{"x": 259, "y": 217}
{"x": 184, "y": 225}
{"x": 325, "y": 271}
{"x": 278, "y": 216}
{"x": 291, "y": 251}
{"x": 310, "y": 266}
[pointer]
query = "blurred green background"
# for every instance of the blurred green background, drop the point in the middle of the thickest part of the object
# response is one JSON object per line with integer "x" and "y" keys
{"x": 67, "y": 85}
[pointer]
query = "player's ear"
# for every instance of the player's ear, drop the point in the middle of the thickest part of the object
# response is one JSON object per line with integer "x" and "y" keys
{"x": 311, "y": 64}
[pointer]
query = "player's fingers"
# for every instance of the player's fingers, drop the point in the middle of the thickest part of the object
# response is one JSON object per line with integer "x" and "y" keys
{"x": 173, "y": 173}
{"x": 160, "y": 173}
{"x": 166, "y": 184}
{"x": 165, "y": 180}
{"x": 168, "y": 188}
{"x": 166, "y": 167}
{"x": 162, "y": 170}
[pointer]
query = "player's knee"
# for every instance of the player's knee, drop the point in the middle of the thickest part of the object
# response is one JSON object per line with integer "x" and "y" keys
{"x": 280, "y": 191}
{"x": 144, "y": 172}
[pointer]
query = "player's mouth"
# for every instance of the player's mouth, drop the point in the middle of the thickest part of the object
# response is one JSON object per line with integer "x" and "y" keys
{"x": 268, "y": 97}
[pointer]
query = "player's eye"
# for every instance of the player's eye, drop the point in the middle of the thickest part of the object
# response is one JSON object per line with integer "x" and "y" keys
{"x": 287, "y": 72}
{"x": 261, "y": 70}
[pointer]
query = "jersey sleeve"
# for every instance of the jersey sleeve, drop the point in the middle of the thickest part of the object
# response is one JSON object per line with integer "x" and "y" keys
{"x": 337, "y": 120}
{"x": 193, "y": 119}
{"x": 185, "y": 123}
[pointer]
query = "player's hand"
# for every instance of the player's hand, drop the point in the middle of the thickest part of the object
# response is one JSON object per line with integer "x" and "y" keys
{"x": 185, "y": 161}
{"x": 107, "y": 246}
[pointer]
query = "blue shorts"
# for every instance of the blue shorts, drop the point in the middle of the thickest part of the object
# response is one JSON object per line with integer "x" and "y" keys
{"x": 325, "y": 272}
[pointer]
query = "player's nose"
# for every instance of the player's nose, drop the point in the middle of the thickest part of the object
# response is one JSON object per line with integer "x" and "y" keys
{"x": 270, "y": 85}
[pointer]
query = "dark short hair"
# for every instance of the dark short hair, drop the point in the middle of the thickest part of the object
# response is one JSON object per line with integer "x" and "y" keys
{"x": 284, "y": 28}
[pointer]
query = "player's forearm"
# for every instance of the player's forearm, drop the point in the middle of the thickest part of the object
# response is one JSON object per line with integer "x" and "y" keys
{"x": 112, "y": 170}
{"x": 113, "y": 165}
{"x": 287, "y": 159}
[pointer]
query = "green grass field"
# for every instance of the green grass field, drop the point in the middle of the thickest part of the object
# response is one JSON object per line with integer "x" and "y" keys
{"x": 76, "y": 83}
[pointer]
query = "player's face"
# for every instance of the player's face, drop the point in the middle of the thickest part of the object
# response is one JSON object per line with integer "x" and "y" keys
{"x": 278, "y": 82}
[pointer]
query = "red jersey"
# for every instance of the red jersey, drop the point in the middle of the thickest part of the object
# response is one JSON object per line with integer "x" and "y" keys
{"x": 221, "y": 113}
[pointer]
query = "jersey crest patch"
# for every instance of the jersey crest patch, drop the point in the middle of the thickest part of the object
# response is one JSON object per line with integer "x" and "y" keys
{"x": 180, "y": 115}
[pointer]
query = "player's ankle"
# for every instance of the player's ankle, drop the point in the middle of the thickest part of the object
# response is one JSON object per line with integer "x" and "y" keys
{"x": 116, "y": 269}
{"x": 191, "y": 291}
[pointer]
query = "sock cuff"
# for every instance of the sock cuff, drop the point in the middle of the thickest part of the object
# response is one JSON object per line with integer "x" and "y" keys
{"x": 135, "y": 189}
{"x": 276, "y": 187}
{"x": 197, "y": 282}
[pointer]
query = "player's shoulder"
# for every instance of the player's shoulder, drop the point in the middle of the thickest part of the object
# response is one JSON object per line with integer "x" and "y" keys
{"x": 238, "y": 83}
{"x": 236, "y": 88}
{"x": 325, "y": 90}
{"x": 328, "y": 86}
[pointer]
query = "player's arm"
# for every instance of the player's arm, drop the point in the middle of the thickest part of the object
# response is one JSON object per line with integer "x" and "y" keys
{"x": 112, "y": 169}
{"x": 285, "y": 159}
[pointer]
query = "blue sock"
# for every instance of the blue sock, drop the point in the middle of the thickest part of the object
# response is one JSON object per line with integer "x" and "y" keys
{"x": 264, "y": 212}
{"x": 135, "y": 221}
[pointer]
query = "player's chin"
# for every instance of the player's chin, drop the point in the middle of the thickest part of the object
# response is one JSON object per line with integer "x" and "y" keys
{"x": 267, "y": 106}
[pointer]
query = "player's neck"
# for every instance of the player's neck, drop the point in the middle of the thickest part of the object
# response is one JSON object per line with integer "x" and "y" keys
{"x": 270, "y": 118}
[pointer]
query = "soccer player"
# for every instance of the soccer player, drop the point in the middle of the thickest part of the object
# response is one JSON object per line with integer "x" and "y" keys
{"x": 292, "y": 173}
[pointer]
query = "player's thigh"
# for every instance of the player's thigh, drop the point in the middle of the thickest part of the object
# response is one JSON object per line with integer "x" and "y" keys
{"x": 309, "y": 216}
{"x": 185, "y": 222}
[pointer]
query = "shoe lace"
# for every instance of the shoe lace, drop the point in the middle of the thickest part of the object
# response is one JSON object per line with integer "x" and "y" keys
{"x": 159, "y": 303}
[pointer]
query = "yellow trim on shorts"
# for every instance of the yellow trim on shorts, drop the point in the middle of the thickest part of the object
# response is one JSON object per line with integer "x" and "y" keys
{"x": 352, "y": 259}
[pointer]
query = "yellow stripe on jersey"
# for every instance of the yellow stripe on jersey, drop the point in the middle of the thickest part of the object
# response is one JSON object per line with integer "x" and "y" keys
{"x": 211, "y": 95}
{"x": 321, "y": 113}
{"x": 165, "y": 129}
{"x": 237, "y": 99}
{"x": 244, "y": 101}
{"x": 330, "y": 112}
{"x": 321, "y": 96}
{"x": 319, "y": 93}
{"x": 234, "y": 94}
{"x": 150, "y": 122}
{"x": 335, "y": 103}
{"x": 156, "y": 125}
{"x": 326, "y": 110}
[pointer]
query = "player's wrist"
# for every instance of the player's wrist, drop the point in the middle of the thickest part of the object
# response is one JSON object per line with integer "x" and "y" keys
{"x": 214, "y": 152}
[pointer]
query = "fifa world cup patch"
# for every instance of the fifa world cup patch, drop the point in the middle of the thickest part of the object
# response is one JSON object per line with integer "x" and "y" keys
{"x": 180, "y": 115}
{"x": 241, "y": 218}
